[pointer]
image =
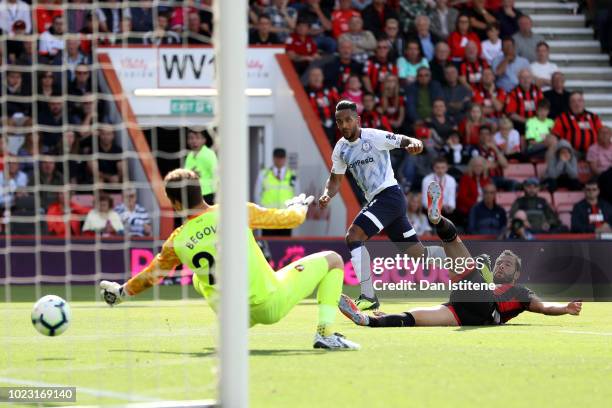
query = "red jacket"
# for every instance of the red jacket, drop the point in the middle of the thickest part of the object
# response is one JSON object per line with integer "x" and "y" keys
{"x": 457, "y": 43}
{"x": 55, "y": 222}
{"x": 467, "y": 195}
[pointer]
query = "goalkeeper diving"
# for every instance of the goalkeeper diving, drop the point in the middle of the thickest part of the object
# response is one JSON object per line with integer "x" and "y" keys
{"x": 271, "y": 294}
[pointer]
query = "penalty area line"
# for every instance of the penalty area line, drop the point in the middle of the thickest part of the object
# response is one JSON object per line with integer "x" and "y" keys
{"x": 586, "y": 332}
{"x": 85, "y": 390}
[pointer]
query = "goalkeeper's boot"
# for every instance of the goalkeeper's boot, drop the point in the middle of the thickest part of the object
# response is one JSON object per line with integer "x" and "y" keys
{"x": 335, "y": 341}
{"x": 434, "y": 202}
{"x": 366, "y": 303}
{"x": 350, "y": 310}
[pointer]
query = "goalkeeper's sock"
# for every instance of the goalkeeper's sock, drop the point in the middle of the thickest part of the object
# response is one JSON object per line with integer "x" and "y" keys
{"x": 360, "y": 258}
{"x": 393, "y": 320}
{"x": 328, "y": 295}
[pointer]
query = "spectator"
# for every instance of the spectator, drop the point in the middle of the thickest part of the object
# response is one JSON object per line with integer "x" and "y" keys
{"x": 12, "y": 181}
{"x": 448, "y": 184}
{"x": 45, "y": 12}
{"x": 542, "y": 68}
{"x": 441, "y": 124}
{"x": 26, "y": 153}
{"x": 459, "y": 38}
{"x": 71, "y": 146}
{"x": 480, "y": 18}
{"x": 320, "y": 23}
{"x": 456, "y": 153}
{"x": 592, "y": 214}
{"x": 375, "y": 15}
{"x": 197, "y": 33}
{"x": 301, "y": 48}
{"x": 202, "y": 160}
{"x": 103, "y": 219}
{"x": 51, "y": 42}
{"x": 578, "y": 125}
{"x": 55, "y": 215}
{"x": 339, "y": 69}
{"x": 410, "y": 10}
{"x": 364, "y": 42}
{"x": 522, "y": 102}
{"x": 81, "y": 84}
{"x": 142, "y": 18}
{"x": 114, "y": 15}
{"x": 135, "y": 218}
{"x": 15, "y": 47}
{"x": 525, "y": 40}
{"x": 370, "y": 117}
{"x": 262, "y": 35}
{"x": 416, "y": 216}
{"x": 74, "y": 58}
{"x": 443, "y": 19}
{"x": 83, "y": 114}
{"x": 496, "y": 161}
{"x": 470, "y": 126}
{"x": 392, "y": 103}
{"x": 540, "y": 214}
{"x": 562, "y": 168}
{"x": 558, "y": 96}
{"x": 342, "y": 16}
{"x": 508, "y": 19}
{"x": 420, "y": 94}
{"x": 378, "y": 67}
{"x": 492, "y": 46}
{"x": 519, "y": 227}
{"x": 18, "y": 91}
{"x": 471, "y": 187}
{"x": 12, "y": 11}
{"x": 107, "y": 169}
{"x": 599, "y": 154}
{"x": 486, "y": 94}
{"x": 323, "y": 100}
{"x": 52, "y": 119}
{"x": 472, "y": 66}
{"x": 456, "y": 96}
{"x": 508, "y": 65}
{"x": 507, "y": 139}
{"x": 539, "y": 126}
{"x": 354, "y": 93}
{"x": 486, "y": 217}
{"x": 47, "y": 87}
{"x": 49, "y": 179}
{"x": 427, "y": 41}
{"x": 410, "y": 62}
{"x": 440, "y": 62}
{"x": 161, "y": 34}
{"x": 396, "y": 42}
{"x": 275, "y": 185}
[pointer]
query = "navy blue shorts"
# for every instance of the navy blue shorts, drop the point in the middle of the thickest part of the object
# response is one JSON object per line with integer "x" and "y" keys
{"x": 387, "y": 211}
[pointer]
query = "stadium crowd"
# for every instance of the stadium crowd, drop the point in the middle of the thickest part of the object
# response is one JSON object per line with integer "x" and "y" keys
{"x": 470, "y": 78}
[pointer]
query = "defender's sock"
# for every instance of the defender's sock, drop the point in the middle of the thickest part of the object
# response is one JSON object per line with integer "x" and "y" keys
{"x": 394, "y": 320}
{"x": 360, "y": 258}
{"x": 446, "y": 230}
{"x": 328, "y": 294}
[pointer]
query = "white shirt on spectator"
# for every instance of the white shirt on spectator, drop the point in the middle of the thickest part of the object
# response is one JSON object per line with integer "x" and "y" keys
{"x": 8, "y": 188}
{"x": 490, "y": 51}
{"x": 96, "y": 221}
{"x": 544, "y": 71}
{"x": 449, "y": 189}
{"x": 50, "y": 44}
{"x": 512, "y": 145}
{"x": 12, "y": 12}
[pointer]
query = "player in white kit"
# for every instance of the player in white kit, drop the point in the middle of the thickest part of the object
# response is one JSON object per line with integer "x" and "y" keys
{"x": 365, "y": 152}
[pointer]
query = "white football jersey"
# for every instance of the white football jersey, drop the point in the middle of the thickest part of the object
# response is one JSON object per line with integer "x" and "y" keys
{"x": 368, "y": 160}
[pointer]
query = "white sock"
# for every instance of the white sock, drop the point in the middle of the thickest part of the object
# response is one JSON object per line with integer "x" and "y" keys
{"x": 435, "y": 252}
{"x": 360, "y": 258}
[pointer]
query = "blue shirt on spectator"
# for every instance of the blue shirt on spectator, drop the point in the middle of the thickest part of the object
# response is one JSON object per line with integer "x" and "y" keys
{"x": 485, "y": 220}
{"x": 509, "y": 79}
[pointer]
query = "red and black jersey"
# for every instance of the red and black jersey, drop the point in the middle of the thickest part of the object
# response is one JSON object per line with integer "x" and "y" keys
{"x": 373, "y": 119}
{"x": 301, "y": 46}
{"x": 580, "y": 130}
{"x": 485, "y": 98}
{"x": 512, "y": 300}
{"x": 523, "y": 103}
{"x": 323, "y": 101}
{"x": 377, "y": 71}
{"x": 393, "y": 107}
{"x": 472, "y": 71}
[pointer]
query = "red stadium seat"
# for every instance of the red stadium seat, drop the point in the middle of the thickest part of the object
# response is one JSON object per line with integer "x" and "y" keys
{"x": 584, "y": 172}
{"x": 546, "y": 195}
{"x": 565, "y": 200}
{"x": 519, "y": 171}
{"x": 506, "y": 199}
{"x": 566, "y": 219}
{"x": 540, "y": 170}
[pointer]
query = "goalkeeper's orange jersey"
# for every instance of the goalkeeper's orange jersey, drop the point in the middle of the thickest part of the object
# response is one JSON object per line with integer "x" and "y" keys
{"x": 195, "y": 244}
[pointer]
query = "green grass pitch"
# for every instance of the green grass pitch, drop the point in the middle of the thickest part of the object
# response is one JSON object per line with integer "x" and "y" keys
{"x": 150, "y": 351}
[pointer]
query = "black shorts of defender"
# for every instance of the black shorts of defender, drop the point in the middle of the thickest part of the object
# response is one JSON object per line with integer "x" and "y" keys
{"x": 387, "y": 211}
{"x": 472, "y": 307}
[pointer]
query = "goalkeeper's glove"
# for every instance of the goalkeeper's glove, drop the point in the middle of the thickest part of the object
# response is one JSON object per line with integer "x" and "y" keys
{"x": 112, "y": 292}
{"x": 299, "y": 201}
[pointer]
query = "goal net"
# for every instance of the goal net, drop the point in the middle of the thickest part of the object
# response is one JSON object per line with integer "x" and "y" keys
{"x": 82, "y": 162}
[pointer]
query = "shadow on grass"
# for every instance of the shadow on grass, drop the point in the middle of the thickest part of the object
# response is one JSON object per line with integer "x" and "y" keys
{"x": 54, "y": 359}
{"x": 465, "y": 328}
{"x": 211, "y": 352}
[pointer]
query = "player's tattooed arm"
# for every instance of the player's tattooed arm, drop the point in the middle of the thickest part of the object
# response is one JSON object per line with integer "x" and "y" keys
{"x": 412, "y": 145}
{"x": 555, "y": 309}
{"x": 331, "y": 189}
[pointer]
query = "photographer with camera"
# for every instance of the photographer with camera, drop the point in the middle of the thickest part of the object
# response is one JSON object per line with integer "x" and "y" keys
{"x": 519, "y": 227}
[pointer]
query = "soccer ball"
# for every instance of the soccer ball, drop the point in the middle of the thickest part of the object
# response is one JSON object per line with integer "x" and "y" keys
{"x": 51, "y": 315}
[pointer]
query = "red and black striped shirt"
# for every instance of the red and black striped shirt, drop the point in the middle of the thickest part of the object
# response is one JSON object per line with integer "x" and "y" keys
{"x": 472, "y": 71}
{"x": 523, "y": 103}
{"x": 580, "y": 130}
{"x": 377, "y": 71}
{"x": 485, "y": 98}
{"x": 323, "y": 101}
{"x": 512, "y": 300}
{"x": 373, "y": 119}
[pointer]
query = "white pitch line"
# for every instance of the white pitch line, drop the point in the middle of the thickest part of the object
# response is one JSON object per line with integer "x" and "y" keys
{"x": 586, "y": 332}
{"x": 91, "y": 391}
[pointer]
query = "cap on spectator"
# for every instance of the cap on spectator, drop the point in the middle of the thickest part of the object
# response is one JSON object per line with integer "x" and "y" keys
{"x": 279, "y": 152}
{"x": 531, "y": 181}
